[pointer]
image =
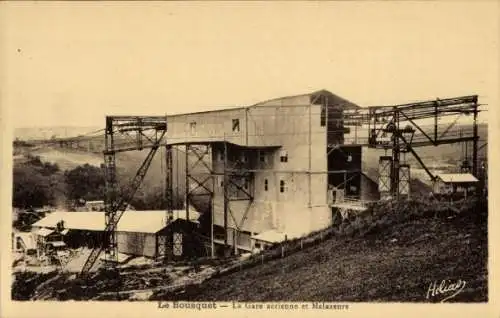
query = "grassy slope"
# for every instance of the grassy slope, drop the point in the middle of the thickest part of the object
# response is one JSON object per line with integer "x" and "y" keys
{"x": 396, "y": 264}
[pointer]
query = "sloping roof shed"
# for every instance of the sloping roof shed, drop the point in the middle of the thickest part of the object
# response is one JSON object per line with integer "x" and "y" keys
{"x": 457, "y": 178}
{"x": 131, "y": 221}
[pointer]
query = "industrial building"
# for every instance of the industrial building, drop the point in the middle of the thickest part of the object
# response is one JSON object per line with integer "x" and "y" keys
{"x": 275, "y": 169}
{"x": 139, "y": 233}
{"x": 282, "y": 168}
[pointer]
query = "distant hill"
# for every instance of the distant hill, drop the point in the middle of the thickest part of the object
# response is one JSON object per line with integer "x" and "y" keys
{"x": 49, "y": 132}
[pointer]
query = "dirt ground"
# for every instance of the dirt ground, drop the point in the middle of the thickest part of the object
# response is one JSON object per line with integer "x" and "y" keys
{"x": 397, "y": 264}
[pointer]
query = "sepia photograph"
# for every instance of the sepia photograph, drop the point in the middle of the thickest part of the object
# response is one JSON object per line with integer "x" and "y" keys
{"x": 248, "y": 155}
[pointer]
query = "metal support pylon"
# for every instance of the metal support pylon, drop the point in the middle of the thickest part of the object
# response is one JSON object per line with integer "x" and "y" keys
{"x": 200, "y": 178}
{"x": 169, "y": 206}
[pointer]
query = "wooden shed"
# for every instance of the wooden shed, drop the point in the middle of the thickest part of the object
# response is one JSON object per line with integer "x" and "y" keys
{"x": 455, "y": 183}
{"x": 139, "y": 233}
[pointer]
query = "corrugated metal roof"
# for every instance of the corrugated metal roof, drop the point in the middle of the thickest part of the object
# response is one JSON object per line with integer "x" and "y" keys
{"x": 457, "y": 177}
{"x": 131, "y": 221}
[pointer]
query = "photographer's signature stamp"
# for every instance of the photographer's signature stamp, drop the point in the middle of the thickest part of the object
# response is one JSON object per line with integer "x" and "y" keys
{"x": 446, "y": 288}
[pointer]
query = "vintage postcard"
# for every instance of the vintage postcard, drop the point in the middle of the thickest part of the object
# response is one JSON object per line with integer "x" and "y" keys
{"x": 249, "y": 158}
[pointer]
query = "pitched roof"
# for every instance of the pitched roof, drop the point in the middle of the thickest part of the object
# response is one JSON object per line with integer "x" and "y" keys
{"x": 131, "y": 221}
{"x": 317, "y": 97}
{"x": 457, "y": 177}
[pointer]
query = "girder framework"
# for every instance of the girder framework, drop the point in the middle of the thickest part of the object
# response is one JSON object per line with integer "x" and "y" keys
{"x": 136, "y": 133}
{"x": 201, "y": 180}
{"x": 396, "y": 128}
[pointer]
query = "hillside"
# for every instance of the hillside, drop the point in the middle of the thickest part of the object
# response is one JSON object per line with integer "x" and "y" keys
{"x": 393, "y": 253}
{"x": 395, "y": 262}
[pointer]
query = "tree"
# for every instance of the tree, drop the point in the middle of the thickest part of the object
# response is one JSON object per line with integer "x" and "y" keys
{"x": 31, "y": 188}
{"x": 85, "y": 182}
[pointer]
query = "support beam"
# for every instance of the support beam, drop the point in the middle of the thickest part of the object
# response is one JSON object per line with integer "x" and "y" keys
{"x": 169, "y": 201}
{"x": 395, "y": 155}
{"x": 188, "y": 190}
{"x": 436, "y": 105}
{"x": 475, "y": 143}
{"x": 226, "y": 201}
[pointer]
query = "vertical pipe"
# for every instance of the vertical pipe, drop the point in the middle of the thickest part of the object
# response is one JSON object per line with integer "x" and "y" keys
{"x": 309, "y": 158}
{"x": 187, "y": 182}
{"x": 246, "y": 126}
{"x": 369, "y": 126}
{"x": 235, "y": 242}
{"x": 356, "y": 134}
{"x": 395, "y": 156}
{"x": 177, "y": 174}
{"x": 212, "y": 247}
{"x": 436, "y": 104}
{"x": 345, "y": 185}
{"x": 169, "y": 198}
{"x": 327, "y": 141}
{"x": 327, "y": 123}
{"x": 225, "y": 193}
{"x": 475, "y": 142}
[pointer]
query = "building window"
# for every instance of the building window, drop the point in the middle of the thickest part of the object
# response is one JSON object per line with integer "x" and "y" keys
{"x": 266, "y": 185}
{"x": 262, "y": 156}
{"x": 282, "y": 186}
{"x": 284, "y": 156}
{"x": 192, "y": 127}
{"x": 236, "y": 125}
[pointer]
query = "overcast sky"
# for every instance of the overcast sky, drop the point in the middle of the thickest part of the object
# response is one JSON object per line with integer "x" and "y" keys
{"x": 72, "y": 63}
